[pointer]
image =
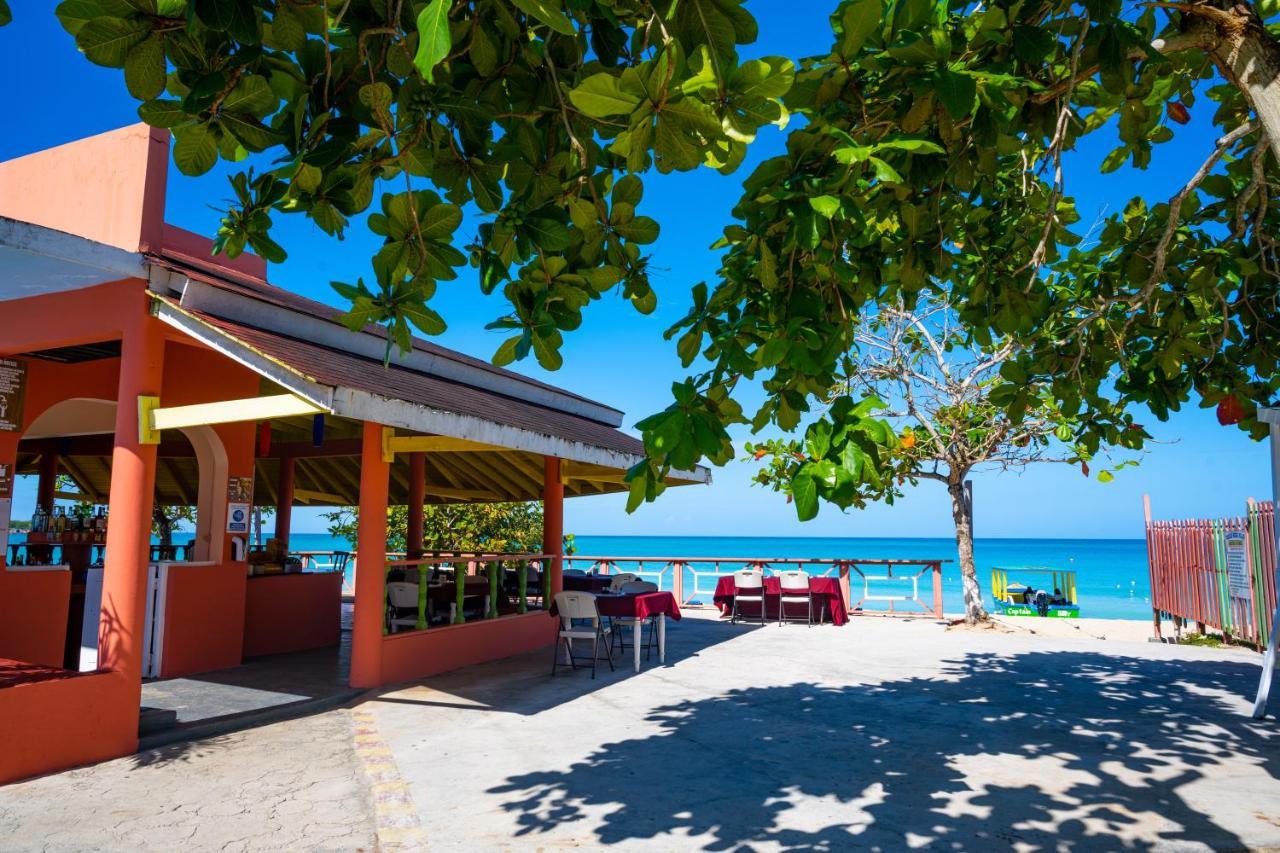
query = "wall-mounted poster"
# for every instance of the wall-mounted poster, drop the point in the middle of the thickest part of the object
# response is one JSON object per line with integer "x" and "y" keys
{"x": 6, "y": 480}
{"x": 238, "y": 518}
{"x": 240, "y": 490}
{"x": 13, "y": 390}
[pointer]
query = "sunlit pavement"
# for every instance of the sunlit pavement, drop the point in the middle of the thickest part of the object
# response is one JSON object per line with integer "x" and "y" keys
{"x": 882, "y": 733}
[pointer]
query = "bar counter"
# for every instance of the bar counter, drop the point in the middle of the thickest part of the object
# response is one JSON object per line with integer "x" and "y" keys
{"x": 292, "y": 612}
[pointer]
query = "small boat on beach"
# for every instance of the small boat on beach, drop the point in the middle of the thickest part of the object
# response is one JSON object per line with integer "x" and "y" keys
{"x": 1055, "y": 598}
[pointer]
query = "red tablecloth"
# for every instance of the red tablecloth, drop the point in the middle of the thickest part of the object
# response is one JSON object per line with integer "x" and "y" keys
{"x": 638, "y": 606}
{"x": 587, "y": 583}
{"x": 828, "y": 600}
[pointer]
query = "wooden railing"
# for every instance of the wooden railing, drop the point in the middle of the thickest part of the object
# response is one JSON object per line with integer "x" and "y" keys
{"x": 1219, "y": 573}
{"x": 458, "y": 566}
{"x": 685, "y": 576}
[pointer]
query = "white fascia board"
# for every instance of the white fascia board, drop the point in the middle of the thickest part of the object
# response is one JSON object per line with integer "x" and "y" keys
{"x": 286, "y": 377}
{"x": 1269, "y": 416}
{"x": 199, "y": 296}
{"x": 65, "y": 261}
{"x": 363, "y": 406}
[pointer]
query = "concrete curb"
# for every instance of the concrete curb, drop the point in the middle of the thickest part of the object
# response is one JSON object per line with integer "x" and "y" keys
{"x": 247, "y": 720}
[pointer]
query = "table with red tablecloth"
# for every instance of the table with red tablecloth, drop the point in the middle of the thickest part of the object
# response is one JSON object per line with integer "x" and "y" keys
{"x": 828, "y": 600}
{"x": 586, "y": 583}
{"x": 637, "y": 608}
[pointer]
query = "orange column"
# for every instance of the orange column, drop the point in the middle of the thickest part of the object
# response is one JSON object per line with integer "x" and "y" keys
{"x": 133, "y": 474}
{"x": 553, "y": 520}
{"x": 284, "y": 502}
{"x": 417, "y": 497}
{"x": 371, "y": 560}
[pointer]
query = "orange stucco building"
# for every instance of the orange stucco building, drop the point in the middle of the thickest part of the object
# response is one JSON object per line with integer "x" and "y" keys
{"x": 141, "y": 369}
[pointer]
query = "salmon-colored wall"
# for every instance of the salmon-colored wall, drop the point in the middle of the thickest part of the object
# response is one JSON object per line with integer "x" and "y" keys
{"x": 108, "y": 188}
{"x": 422, "y": 653}
{"x": 204, "y": 619}
{"x": 53, "y": 725}
{"x": 292, "y": 613}
{"x": 85, "y": 316}
{"x": 33, "y": 616}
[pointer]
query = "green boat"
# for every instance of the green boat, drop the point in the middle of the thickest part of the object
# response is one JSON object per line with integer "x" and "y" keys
{"x": 1055, "y": 599}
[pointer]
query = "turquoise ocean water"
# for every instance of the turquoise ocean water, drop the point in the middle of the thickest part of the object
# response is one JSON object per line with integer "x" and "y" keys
{"x": 1111, "y": 574}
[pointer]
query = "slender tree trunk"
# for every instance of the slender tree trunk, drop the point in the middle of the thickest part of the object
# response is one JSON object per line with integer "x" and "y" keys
{"x": 974, "y": 612}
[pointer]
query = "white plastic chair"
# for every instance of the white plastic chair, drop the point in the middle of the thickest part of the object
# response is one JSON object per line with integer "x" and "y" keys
{"x": 748, "y": 585}
{"x": 579, "y": 607}
{"x": 618, "y": 623}
{"x": 402, "y": 596}
{"x": 795, "y": 590}
{"x": 618, "y": 581}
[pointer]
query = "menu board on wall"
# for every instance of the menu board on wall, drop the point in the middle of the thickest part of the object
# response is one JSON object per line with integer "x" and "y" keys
{"x": 13, "y": 390}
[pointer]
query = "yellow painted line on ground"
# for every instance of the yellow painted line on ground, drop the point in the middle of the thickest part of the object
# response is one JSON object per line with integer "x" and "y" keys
{"x": 394, "y": 812}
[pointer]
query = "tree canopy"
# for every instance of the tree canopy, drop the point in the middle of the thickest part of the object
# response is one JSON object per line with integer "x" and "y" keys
{"x": 925, "y": 152}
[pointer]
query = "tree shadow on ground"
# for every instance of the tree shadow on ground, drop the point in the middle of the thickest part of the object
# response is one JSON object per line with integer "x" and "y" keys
{"x": 1062, "y": 750}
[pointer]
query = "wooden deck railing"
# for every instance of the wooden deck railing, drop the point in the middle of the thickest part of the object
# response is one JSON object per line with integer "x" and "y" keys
{"x": 686, "y": 577}
{"x": 461, "y": 565}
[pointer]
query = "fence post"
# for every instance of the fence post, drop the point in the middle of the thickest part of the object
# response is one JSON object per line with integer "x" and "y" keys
{"x": 677, "y": 581}
{"x": 937, "y": 590}
{"x": 844, "y": 587}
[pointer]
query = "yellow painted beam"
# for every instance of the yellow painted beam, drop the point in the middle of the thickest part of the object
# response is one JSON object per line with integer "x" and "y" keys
{"x": 147, "y": 432}
{"x": 230, "y": 411}
{"x": 393, "y": 444}
{"x": 462, "y": 494}
{"x": 308, "y": 495}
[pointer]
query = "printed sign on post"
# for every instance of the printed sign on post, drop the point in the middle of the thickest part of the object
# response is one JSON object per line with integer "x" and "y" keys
{"x": 13, "y": 390}
{"x": 1237, "y": 565}
{"x": 6, "y": 480}
{"x": 238, "y": 518}
{"x": 240, "y": 490}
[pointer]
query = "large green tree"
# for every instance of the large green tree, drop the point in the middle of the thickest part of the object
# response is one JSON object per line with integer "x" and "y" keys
{"x": 489, "y": 528}
{"x": 928, "y": 154}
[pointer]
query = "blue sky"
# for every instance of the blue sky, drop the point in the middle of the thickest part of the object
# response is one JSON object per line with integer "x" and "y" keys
{"x": 53, "y": 96}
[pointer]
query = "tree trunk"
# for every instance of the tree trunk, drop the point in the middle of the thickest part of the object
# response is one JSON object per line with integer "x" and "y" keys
{"x": 1248, "y": 56}
{"x": 974, "y": 612}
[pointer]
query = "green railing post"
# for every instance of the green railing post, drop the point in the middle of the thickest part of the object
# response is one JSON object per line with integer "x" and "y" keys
{"x": 460, "y": 589}
{"x": 522, "y": 587}
{"x": 386, "y": 605}
{"x": 494, "y": 568}
{"x": 423, "y": 573}
{"x": 546, "y": 585}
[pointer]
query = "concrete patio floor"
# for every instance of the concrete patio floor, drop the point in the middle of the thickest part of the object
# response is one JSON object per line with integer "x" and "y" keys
{"x": 884, "y": 734}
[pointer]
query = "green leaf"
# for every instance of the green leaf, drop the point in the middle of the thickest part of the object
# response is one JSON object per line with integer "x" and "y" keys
{"x": 440, "y": 221}
{"x": 1105, "y": 477}
{"x": 194, "y": 149}
{"x": 804, "y": 491}
{"x": 74, "y": 14}
{"x": 236, "y": 18}
{"x": 163, "y": 113}
{"x": 253, "y": 95}
{"x": 641, "y": 229}
{"x": 826, "y": 205}
{"x": 144, "y": 69}
{"x": 859, "y": 20}
{"x": 434, "y": 41}
{"x": 107, "y": 41}
{"x": 6, "y": 16}
{"x": 602, "y": 95}
{"x": 956, "y": 91}
{"x": 423, "y": 317}
{"x": 548, "y": 12}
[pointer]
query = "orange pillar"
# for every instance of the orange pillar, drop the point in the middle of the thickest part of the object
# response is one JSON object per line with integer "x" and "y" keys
{"x": 133, "y": 475}
{"x": 284, "y": 502}
{"x": 371, "y": 560}
{"x": 417, "y": 497}
{"x": 553, "y": 520}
